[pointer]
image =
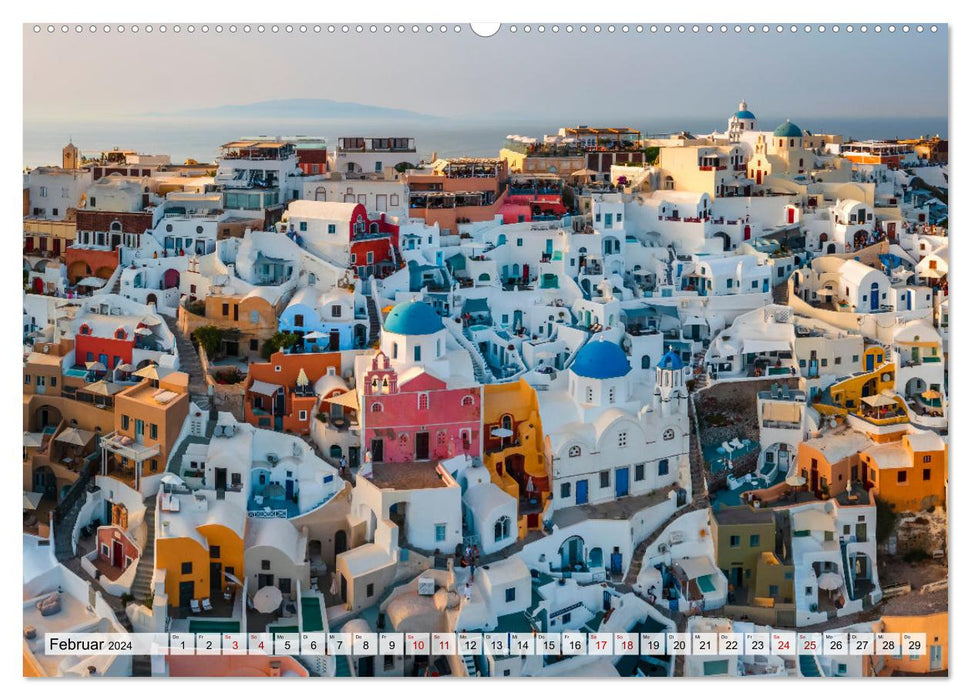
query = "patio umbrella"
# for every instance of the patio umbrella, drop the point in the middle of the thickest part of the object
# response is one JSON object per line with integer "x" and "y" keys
{"x": 931, "y": 394}
{"x": 171, "y": 478}
{"x": 125, "y": 367}
{"x": 231, "y": 578}
{"x": 267, "y": 599}
{"x": 151, "y": 320}
{"x": 96, "y": 367}
{"x": 142, "y": 330}
{"x": 73, "y": 436}
{"x": 586, "y": 172}
{"x": 32, "y": 500}
{"x": 148, "y": 372}
{"x": 796, "y": 480}
{"x": 829, "y": 581}
{"x": 102, "y": 388}
{"x": 302, "y": 379}
{"x": 33, "y": 439}
{"x": 314, "y": 335}
{"x": 501, "y": 432}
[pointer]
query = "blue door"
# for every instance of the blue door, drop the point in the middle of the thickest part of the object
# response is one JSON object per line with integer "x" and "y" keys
{"x": 616, "y": 563}
{"x": 869, "y": 363}
{"x": 765, "y": 285}
{"x": 289, "y": 489}
{"x": 874, "y": 296}
{"x": 622, "y": 482}
{"x": 581, "y": 492}
{"x": 103, "y": 359}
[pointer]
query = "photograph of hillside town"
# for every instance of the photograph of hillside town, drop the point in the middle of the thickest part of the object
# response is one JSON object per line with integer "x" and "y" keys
{"x": 401, "y": 392}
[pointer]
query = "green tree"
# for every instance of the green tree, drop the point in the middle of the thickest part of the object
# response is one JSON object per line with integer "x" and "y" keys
{"x": 651, "y": 154}
{"x": 281, "y": 340}
{"x": 886, "y": 520}
{"x": 209, "y": 338}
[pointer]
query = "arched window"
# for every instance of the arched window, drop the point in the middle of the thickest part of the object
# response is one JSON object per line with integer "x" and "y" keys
{"x": 646, "y": 362}
{"x": 120, "y": 334}
{"x": 502, "y": 528}
{"x": 668, "y": 434}
{"x": 376, "y": 407}
{"x": 507, "y": 422}
{"x": 468, "y": 400}
{"x": 574, "y": 451}
{"x": 85, "y": 329}
{"x": 423, "y": 402}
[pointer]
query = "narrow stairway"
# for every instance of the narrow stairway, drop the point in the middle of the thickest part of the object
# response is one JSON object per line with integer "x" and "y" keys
{"x": 142, "y": 586}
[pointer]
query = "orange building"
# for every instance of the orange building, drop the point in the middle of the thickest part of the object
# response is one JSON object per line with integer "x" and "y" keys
{"x": 148, "y": 419}
{"x": 458, "y": 190}
{"x": 197, "y": 543}
{"x": 280, "y": 393}
{"x": 934, "y": 658}
{"x": 911, "y": 473}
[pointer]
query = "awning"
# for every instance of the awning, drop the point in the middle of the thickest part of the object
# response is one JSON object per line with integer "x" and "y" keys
{"x": 878, "y": 401}
{"x": 473, "y": 306}
{"x": 756, "y": 345}
{"x": 33, "y": 439}
{"x": 696, "y": 567}
{"x": 32, "y": 499}
{"x": 347, "y": 399}
{"x": 264, "y": 388}
{"x": 92, "y": 282}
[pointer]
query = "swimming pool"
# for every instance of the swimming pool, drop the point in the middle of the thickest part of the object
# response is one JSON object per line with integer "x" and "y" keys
{"x": 313, "y": 620}
{"x": 213, "y": 625}
{"x": 706, "y": 584}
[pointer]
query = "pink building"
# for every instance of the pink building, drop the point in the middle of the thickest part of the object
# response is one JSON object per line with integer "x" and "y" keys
{"x": 415, "y": 416}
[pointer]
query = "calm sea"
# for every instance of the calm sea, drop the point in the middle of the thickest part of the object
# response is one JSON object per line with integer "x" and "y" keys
{"x": 200, "y": 138}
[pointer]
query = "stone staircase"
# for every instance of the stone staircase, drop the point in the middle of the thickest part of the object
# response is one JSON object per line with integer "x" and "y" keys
{"x": 637, "y": 558}
{"x": 469, "y": 664}
{"x": 141, "y": 666}
{"x": 374, "y": 320}
{"x": 142, "y": 586}
{"x": 190, "y": 363}
{"x": 69, "y": 509}
{"x": 482, "y": 373}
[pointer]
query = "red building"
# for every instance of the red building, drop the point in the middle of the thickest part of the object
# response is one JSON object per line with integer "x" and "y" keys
{"x": 99, "y": 235}
{"x": 374, "y": 246}
{"x": 108, "y": 340}
{"x": 419, "y": 418}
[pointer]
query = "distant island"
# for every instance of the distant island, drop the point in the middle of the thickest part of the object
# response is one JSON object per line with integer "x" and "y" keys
{"x": 298, "y": 108}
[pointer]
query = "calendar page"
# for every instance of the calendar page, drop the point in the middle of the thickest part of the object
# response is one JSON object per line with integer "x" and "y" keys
{"x": 526, "y": 349}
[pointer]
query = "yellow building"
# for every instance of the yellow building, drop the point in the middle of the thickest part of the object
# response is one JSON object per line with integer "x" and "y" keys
{"x": 199, "y": 540}
{"x": 702, "y": 168}
{"x": 516, "y": 459}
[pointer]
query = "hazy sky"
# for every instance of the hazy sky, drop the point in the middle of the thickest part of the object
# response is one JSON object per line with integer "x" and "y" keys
{"x": 98, "y": 76}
